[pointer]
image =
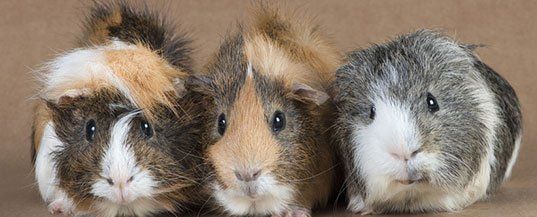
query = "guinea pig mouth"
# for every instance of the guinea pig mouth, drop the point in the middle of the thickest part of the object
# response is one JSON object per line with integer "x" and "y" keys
{"x": 410, "y": 181}
{"x": 250, "y": 191}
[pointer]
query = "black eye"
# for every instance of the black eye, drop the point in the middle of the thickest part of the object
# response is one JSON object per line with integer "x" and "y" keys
{"x": 372, "y": 112}
{"x": 90, "y": 130}
{"x": 431, "y": 103}
{"x": 146, "y": 129}
{"x": 278, "y": 122}
{"x": 222, "y": 124}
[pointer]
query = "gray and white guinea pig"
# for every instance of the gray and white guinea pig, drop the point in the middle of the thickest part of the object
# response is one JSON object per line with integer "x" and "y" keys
{"x": 115, "y": 133}
{"x": 423, "y": 125}
{"x": 268, "y": 143}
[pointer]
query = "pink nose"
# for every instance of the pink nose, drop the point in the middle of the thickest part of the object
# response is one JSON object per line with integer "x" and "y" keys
{"x": 247, "y": 176}
{"x": 121, "y": 194}
{"x": 119, "y": 186}
{"x": 114, "y": 181}
{"x": 404, "y": 156}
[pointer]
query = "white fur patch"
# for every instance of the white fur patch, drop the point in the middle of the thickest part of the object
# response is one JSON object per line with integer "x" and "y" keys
{"x": 250, "y": 70}
{"x": 130, "y": 183}
{"x": 61, "y": 204}
{"x": 392, "y": 135}
{"x": 273, "y": 198}
{"x": 513, "y": 158}
{"x": 45, "y": 172}
{"x": 82, "y": 66}
{"x": 139, "y": 207}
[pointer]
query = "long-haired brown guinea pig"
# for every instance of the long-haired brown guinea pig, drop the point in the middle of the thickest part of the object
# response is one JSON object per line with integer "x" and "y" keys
{"x": 115, "y": 133}
{"x": 269, "y": 147}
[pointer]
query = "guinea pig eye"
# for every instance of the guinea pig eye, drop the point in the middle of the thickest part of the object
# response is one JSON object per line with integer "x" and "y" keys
{"x": 278, "y": 121}
{"x": 90, "y": 130}
{"x": 146, "y": 129}
{"x": 222, "y": 124}
{"x": 372, "y": 112}
{"x": 431, "y": 103}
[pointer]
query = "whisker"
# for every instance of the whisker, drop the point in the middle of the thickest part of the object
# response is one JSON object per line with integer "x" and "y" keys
{"x": 204, "y": 204}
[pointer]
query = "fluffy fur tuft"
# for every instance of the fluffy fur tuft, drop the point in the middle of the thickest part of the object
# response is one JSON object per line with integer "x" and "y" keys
{"x": 132, "y": 70}
{"x": 294, "y": 40}
{"x": 137, "y": 24}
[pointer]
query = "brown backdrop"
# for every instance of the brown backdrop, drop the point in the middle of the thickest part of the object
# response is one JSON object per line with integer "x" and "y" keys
{"x": 34, "y": 31}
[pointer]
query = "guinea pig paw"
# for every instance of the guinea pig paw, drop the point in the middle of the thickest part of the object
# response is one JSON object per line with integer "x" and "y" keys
{"x": 358, "y": 206}
{"x": 295, "y": 212}
{"x": 369, "y": 212}
{"x": 60, "y": 207}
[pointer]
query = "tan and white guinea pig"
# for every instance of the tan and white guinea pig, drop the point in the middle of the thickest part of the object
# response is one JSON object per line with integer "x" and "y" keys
{"x": 115, "y": 134}
{"x": 424, "y": 125}
{"x": 269, "y": 145}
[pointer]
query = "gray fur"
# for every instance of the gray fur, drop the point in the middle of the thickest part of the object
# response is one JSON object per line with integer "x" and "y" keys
{"x": 403, "y": 71}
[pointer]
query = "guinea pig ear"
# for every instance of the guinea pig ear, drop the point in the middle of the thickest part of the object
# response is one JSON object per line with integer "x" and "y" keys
{"x": 52, "y": 105}
{"x": 179, "y": 87}
{"x": 64, "y": 108}
{"x": 198, "y": 83}
{"x": 67, "y": 99}
{"x": 472, "y": 47}
{"x": 62, "y": 104}
{"x": 305, "y": 93}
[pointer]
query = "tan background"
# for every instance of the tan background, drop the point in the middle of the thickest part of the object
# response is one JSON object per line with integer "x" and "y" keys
{"x": 34, "y": 31}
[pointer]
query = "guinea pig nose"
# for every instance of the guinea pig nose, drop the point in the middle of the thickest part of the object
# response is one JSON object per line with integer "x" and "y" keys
{"x": 247, "y": 176}
{"x": 112, "y": 181}
{"x": 404, "y": 156}
{"x": 414, "y": 153}
{"x": 399, "y": 156}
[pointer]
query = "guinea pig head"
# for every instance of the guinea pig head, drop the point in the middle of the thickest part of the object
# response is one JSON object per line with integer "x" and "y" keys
{"x": 247, "y": 145}
{"x": 124, "y": 142}
{"x": 117, "y": 160}
{"x": 416, "y": 116}
{"x": 258, "y": 129}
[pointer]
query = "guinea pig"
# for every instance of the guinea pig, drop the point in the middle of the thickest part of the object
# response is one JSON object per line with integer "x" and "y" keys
{"x": 115, "y": 133}
{"x": 424, "y": 126}
{"x": 268, "y": 143}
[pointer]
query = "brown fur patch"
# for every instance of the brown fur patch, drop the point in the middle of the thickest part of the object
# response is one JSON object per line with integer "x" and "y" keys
{"x": 300, "y": 39}
{"x": 239, "y": 149}
{"x": 270, "y": 60}
{"x": 148, "y": 77}
{"x": 100, "y": 32}
{"x": 42, "y": 116}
